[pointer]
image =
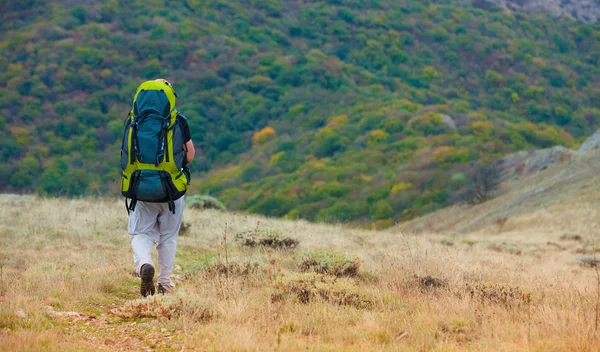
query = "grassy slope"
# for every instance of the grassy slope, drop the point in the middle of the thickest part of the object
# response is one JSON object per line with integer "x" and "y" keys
{"x": 74, "y": 256}
{"x": 560, "y": 195}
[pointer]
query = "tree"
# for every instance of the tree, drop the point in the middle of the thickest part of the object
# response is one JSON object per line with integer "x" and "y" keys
{"x": 430, "y": 73}
{"x": 493, "y": 78}
{"x": 482, "y": 182}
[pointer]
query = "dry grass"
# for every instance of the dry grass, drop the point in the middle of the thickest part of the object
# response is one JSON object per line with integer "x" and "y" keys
{"x": 66, "y": 284}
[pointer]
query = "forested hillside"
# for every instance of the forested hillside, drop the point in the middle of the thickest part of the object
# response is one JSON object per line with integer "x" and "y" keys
{"x": 369, "y": 111}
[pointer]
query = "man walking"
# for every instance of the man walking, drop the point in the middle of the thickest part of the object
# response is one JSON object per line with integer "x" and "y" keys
{"x": 157, "y": 146}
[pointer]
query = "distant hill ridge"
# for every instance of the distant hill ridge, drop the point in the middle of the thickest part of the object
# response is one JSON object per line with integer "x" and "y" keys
{"x": 583, "y": 10}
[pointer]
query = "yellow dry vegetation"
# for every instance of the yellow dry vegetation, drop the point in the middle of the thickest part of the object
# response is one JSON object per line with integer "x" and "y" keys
{"x": 399, "y": 187}
{"x": 276, "y": 157}
{"x": 442, "y": 154}
{"x": 264, "y": 135}
{"x": 376, "y": 136}
{"x": 337, "y": 121}
{"x": 434, "y": 284}
{"x": 366, "y": 178}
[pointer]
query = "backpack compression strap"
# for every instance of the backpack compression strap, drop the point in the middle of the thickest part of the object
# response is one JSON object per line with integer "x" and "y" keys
{"x": 164, "y": 178}
{"x": 131, "y": 206}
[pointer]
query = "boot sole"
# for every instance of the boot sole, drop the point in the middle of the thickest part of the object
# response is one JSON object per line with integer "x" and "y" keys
{"x": 147, "y": 286}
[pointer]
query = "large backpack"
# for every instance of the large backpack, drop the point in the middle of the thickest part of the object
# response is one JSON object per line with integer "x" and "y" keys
{"x": 152, "y": 155}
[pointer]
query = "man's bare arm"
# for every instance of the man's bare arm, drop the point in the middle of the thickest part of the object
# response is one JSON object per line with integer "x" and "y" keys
{"x": 191, "y": 152}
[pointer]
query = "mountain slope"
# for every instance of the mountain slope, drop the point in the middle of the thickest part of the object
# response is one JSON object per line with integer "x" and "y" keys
{"x": 324, "y": 110}
{"x": 548, "y": 200}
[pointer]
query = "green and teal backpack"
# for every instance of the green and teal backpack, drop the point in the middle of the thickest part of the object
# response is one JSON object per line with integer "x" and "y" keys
{"x": 152, "y": 155}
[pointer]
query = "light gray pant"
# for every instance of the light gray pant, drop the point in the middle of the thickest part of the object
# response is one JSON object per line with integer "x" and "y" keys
{"x": 152, "y": 223}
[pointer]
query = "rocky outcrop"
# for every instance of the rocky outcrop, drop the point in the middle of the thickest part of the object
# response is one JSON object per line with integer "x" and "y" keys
{"x": 583, "y": 10}
{"x": 533, "y": 161}
{"x": 590, "y": 144}
{"x": 455, "y": 121}
{"x": 449, "y": 121}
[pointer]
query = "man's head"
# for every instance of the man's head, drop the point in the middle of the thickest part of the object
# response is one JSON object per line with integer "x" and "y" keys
{"x": 168, "y": 84}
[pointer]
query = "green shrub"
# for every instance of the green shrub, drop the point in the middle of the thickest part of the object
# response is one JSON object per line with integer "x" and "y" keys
{"x": 430, "y": 123}
{"x": 274, "y": 205}
{"x": 204, "y": 202}
{"x": 505, "y": 247}
{"x": 329, "y": 262}
{"x": 447, "y": 242}
{"x": 493, "y": 78}
{"x": 265, "y": 238}
{"x": 306, "y": 287}
{"x": 382, "y": 210}
{"x": 339, "y": 212}
{"x": 217, "y": 266}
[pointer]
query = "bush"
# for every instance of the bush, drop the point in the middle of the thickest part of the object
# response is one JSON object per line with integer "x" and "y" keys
{"x": 590, "y": 261}
{"x": 571, "y": 236}
{"x": 326, "y": 143}
{"x": 382, "y": 210}
{"x": 493, "y": 78}
{"x": 265, "y": 238}
{"x": 307, "y": 287}
{"x": 447, "y": 242}
{"x": 589, "y": 248}
{"x": 217, "y": 266}
{"x": 329, "y": 262}
{"x": 274, "y": 205}
{"x": 168, "y": 307}
{"x": 264, "y": 135}
{"x": 339, "y": 212}
{"x": 500, "y": 294}
{"x": 505, "y": 247}
{"x": 204, "y": 202}
{"x": 427, "y": 283}
{"x": 185, "y": 228}
{"x": 429, "y": 124}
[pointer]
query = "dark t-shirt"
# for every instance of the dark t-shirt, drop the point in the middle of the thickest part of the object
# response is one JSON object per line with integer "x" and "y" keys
{"x": 185, "y": 128}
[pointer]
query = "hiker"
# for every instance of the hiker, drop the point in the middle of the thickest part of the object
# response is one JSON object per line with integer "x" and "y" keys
{"x": 157, "y": 147}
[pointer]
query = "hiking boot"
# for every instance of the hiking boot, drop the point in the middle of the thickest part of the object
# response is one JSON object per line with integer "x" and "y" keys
{"x": 147, "y": 274}
{"x": 162, "y": 290}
